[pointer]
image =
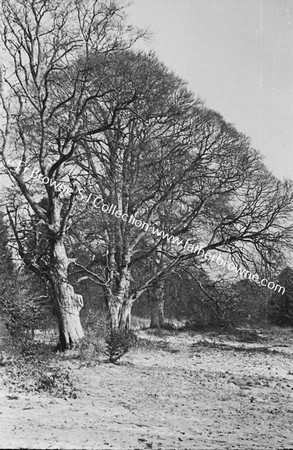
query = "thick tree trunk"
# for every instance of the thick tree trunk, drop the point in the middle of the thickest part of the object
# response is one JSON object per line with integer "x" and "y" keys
{"x": 119, "y": 304}
{"x": 114, "y": 310}
{"x": 67, "y": 303}
{"x": 68, "y": 307}
{"x": 157, "y": 306}
{"x": 119, "y": 313}
{"x": 125, "y": 316}
{"x": 118, "y": 300}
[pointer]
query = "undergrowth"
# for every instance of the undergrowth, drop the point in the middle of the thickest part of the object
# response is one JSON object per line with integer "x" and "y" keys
{"x": 37, "y": 370}
{"x": 118, "y": 343}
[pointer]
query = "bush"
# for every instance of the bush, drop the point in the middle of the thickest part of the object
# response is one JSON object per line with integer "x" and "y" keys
{"x": 90, "y": 349}
{"x": 118, "y": 343}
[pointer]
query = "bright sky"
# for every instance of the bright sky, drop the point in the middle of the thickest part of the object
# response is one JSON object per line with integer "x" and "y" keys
{"x": 237, "y": 55}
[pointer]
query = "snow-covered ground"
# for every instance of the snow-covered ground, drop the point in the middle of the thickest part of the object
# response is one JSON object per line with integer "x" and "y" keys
{"x": 200, "y": 391}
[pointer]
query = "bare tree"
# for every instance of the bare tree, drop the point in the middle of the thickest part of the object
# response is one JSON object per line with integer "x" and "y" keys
{"x": 170, "y": 164}
{"x": 120, "y": 161}
{"x": 46, "y": 93}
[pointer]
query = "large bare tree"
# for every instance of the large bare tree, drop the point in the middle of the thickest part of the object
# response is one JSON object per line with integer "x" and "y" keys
{"x": 170, "y": 164}
{"x": 151, "y": 134}
{"x": 46, "y": 94}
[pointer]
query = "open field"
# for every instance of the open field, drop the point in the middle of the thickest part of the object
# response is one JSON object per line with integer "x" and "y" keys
{"x": 179, "y": 391}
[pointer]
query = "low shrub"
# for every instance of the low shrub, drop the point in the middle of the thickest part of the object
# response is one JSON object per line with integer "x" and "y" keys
{"x": 118, "y": 343}
{"x": 90, "y": 349}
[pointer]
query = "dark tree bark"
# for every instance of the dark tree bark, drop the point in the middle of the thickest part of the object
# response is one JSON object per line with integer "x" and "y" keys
{"x": 157, "y": 305}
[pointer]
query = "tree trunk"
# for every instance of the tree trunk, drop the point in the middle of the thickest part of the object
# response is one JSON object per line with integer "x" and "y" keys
{"x": 67, "y": 303}
{"x": 119, "y": 313}
{"x": 118, "y": 300}
{"x": 157, "y": 313}
{"x": 114, "y": 310}
{"x": 119, "y": 304}
{"x": 68, "y": 307}
{"x": 157, "y": 306}
{"x": 125, "y": 315}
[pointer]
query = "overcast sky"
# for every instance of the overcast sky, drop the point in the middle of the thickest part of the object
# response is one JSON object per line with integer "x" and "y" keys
{"x": 237, "y": 55}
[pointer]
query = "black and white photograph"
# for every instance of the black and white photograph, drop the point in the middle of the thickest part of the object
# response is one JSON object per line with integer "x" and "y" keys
{"x": 146, "y": 224}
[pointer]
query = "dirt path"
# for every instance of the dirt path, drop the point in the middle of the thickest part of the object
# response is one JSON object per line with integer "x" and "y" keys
{"x": 189, "y": 397}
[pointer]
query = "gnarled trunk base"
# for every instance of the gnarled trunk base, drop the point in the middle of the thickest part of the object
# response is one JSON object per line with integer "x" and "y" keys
{"x": 68, "y": 306}
{"x": 67, "y": 303}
